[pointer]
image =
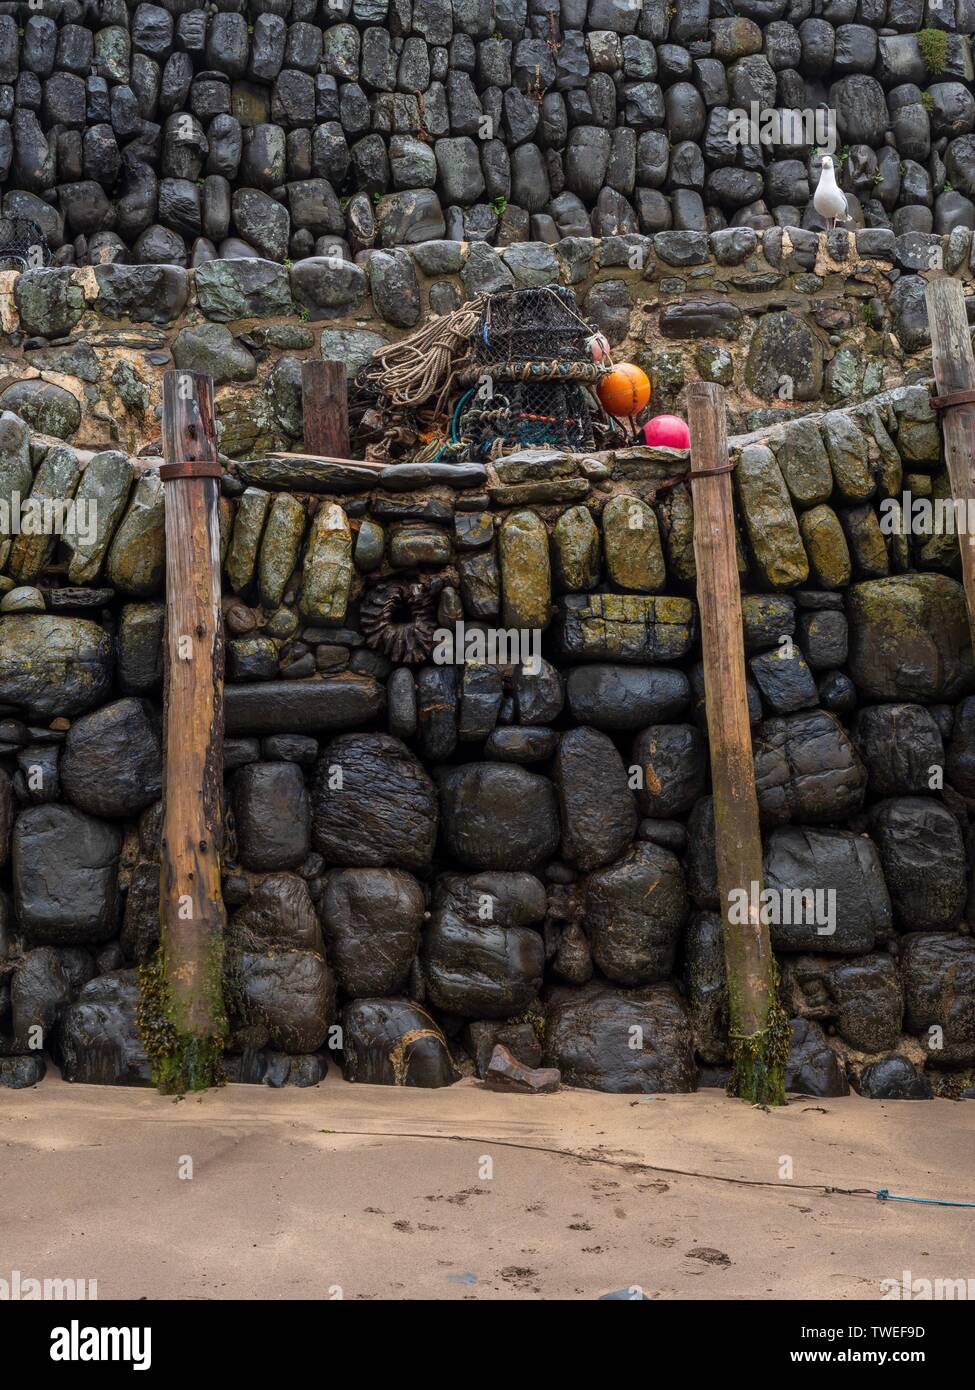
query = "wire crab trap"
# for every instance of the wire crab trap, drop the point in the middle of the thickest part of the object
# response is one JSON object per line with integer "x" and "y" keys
{"x": 506, "y": 371}
{"x": 531, "y": 365}
{"x": 22, "y": 243}
{"x": 532, "y": 325}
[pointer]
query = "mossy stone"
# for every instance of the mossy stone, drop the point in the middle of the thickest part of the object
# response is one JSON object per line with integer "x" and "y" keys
{"x": 773, "y": 531}
{"x": 575, "y": 550}
{"x": 829, "y": 554}
{"x": 678, "y": 517}
{"x": 327, "y": 571}
{"x": 910, "y": 639}
{"x": 55, "y": 481}
{"x": 940, "y": 551}
{"x": 252, "y": 508}
{"x": 136, "y": 564}
{"x": 804, "y": 462}
{"x": 849, "y": 456}
{"x": 53, "y": 666}
{"x": 280, "y": 548}
{"x": 631, "y": 536}
{"x": 47, "y": 408}
{"x": 49, "y": 302}
{"x": 890, "y": 469}
{"x": 866, "y": 542}
{"x": 526, "y": 580}
{"x": 104, "y": 488}
{"x": 16, "y": 474}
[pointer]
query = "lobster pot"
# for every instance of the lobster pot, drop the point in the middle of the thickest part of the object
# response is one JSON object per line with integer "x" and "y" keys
{"x": 533, "y": 325}
{"x": 528, "y": 380}
{"x": 23, "y": 245}
{"x": 529, "y": 414}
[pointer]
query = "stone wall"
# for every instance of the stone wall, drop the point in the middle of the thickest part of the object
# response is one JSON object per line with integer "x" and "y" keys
{"x": 178, "y": 132}
{"x": 430, "y": 856}
{"x": 781, "y": 318}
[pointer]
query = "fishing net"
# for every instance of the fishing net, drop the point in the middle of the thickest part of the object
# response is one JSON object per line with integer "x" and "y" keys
{"x": 533, "y": 325}
{"x": 525, "y": 414}
{"x": 531, "y": 364}
{"x": 23, "y": 243}
{"x": 510, "y": 370}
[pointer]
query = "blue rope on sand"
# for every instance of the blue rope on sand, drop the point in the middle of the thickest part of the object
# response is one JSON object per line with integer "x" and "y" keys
{"x": 884, "y": 1196}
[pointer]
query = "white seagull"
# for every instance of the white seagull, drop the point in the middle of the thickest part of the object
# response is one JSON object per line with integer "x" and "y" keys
{"x": 829, "y": 200}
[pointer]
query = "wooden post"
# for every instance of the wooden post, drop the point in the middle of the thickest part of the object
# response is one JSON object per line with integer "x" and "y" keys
{"x": 325, "y": 405}
{"x": 954, "y": 370}
{"x": 191, "y": 906}
{"x": 758, "y": 1029}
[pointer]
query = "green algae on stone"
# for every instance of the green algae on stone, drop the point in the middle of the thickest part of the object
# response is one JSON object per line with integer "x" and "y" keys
{"x": 104, "y": 489}
{"x": 801, "y": 455}
{"x": 16, "y": 474}
{"x": 910, "y": 639}
{"x": 417, "y": 543}
{"x": 829, "y": 554}
{"x": 327, "y": 571}
{"x": 47, "y": 408}
{"x": 918, "y": 436}
{"x": 866, "y": 542}
{"x": 844, "y": 374}
{"x": 773, "y": 531}
{"x": 282, "y": 623}
{"x": 136, "y": 564}
{"x": 526, "y": 582}
{"x": 49, "y": 301}
{"x": 849, "y": 456}
{"x": 252, "y": 507}
{"x": 53, "y": 666}
{"x": 715, "y": 364}
{"x": 575, "y": 550}
{"x": 244, "y": 289}
{"x": 765, "y": 618}
{"x": 940, "y": 551}
{"x": 785, "y": 359}
{"x": 677, "y": 514}
{"x": 890, "y": 469}
{"x": 280, "y": 548}
{"x": 480, "y": 584}
{"x": 44, "y": 511}
{"x": 637, "y": 628}
{"x": 631, "y": 537}
{"x": 140, "y": 646}
{"x": 370, "y": 545}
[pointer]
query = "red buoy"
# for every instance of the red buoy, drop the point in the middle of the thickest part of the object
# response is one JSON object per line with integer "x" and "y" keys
{"x": 667, "y": 432}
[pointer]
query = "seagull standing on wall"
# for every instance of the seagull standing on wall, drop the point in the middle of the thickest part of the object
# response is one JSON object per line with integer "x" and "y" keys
{"x": 829, "y": 200}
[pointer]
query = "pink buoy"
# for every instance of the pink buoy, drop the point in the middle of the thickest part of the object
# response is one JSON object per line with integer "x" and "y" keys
{"x": 666, "y": 432}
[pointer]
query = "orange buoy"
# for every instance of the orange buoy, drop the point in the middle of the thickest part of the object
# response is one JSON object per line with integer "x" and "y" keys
{"x": 624, "y": 391}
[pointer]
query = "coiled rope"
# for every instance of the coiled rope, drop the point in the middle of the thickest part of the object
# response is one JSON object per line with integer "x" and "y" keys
{"x": 429, "y": 362}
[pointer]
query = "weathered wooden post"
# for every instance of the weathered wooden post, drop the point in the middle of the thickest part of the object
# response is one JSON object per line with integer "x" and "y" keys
{"x": 325, "y": 405}
{"x": 954, "y": 375}
{"x": 758, "y": 1029}
{"x": 191, "y": 907}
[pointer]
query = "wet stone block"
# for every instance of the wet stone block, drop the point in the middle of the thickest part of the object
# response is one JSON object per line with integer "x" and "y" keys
{"x": 632, "y": 628}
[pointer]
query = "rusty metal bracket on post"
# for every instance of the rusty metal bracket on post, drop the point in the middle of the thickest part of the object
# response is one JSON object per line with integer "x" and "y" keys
{"x": 953, "y": 398}
{"x": 190, "y": 468}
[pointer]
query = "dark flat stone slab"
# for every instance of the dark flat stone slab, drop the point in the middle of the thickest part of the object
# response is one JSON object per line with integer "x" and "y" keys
{"x": 325, "y": 704}
{"x": 306, "y": 474}
{"x": 402, "y": 477}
